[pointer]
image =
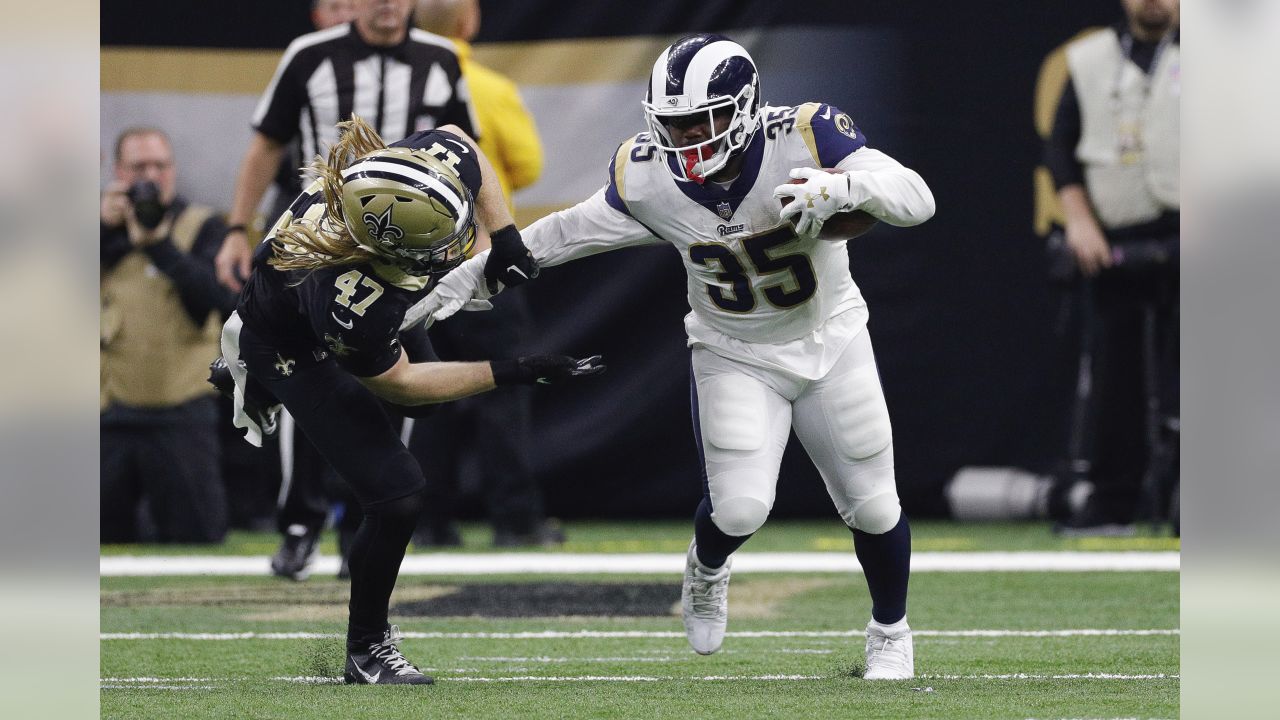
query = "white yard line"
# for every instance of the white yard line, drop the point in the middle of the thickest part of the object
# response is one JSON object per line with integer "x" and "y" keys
{"x": 603, "y": 634}
{"x": 158, "y": 684}
{"x": 641, "y": 563}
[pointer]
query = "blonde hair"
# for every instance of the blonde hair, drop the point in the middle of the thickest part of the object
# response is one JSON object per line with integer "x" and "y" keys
{"x": 314, "y": 244}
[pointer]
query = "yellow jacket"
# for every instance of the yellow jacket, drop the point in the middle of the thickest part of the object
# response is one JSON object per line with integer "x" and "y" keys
{"x": 507, "y": 131}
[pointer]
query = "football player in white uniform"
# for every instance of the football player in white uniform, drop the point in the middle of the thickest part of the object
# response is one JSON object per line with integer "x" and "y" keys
{"x": 778, "y": 327}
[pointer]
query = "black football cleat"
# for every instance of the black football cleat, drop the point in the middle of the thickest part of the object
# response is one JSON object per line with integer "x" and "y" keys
{"x": 383, "y": 664}
{"x": 296, "y": 552}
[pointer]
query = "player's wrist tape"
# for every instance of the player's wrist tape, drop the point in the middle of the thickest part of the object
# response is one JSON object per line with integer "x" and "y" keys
{"x": 236, "y": 228}
{"x": 506, "y": 237}
{"x": 509, "y": 372}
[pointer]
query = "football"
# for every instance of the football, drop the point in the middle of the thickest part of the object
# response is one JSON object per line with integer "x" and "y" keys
{"x": 841, "y": 226}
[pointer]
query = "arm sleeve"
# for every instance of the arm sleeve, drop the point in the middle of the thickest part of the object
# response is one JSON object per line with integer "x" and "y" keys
{"x": 1060, "y": 148}
{"x": 590, "y": 227}
{"x": 897, "y": 194}
{"x": 277, "y": 113}
{"x": 193, "y": 274}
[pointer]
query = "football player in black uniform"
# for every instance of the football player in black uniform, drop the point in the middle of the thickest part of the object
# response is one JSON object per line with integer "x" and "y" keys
{"x": 317, "y": 330}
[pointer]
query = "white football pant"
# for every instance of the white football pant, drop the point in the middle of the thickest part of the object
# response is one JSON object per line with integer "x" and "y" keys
{"x": 746, "y": 412}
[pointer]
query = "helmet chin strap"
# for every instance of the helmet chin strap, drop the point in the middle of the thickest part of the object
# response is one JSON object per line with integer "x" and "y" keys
{"x": 692, "y": 157}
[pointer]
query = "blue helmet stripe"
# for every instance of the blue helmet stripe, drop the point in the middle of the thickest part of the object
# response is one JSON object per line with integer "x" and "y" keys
{"x": 681, "y": 54}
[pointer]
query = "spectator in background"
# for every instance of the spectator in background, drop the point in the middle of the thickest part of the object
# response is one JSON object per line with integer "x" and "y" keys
{"x": 308, "y": 486}
{"x": 509, "y": 138}
{"x": 162, "y": 310}
{"x": 327, "y": 13}
{"x": 400, "y": 80}
{"x": 1113, "y": 153}
{"x": 324, "y": 15}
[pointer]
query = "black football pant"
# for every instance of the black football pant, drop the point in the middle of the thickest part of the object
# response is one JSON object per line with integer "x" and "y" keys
{"x": 168, "y": 460}
{"x": 1135, "y": 375}
{"x": 353, "y": 433}
{"x": 309, "y": 486}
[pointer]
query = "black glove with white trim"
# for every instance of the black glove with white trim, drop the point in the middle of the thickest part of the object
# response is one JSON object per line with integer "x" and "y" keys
{"x": 544, "y": 369}
{"x": 510, "y": 262}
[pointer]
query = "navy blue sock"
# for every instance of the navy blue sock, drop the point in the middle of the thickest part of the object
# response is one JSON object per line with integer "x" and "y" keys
{"x": 712, "y": 545}
{"x": 886, "y": 562}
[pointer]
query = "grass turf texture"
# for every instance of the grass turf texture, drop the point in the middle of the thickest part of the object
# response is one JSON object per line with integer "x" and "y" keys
{"x": 673, "y": 536}
{"x": 235, "y": 678}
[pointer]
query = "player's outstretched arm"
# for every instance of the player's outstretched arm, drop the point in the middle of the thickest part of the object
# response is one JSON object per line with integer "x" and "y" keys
{"x": 510, "y": 262}
{"x": 463, "y": 288}
{"x": 407, "y": 383}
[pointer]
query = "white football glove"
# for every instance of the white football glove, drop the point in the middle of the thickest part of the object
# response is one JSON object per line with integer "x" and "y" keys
{"x": 821, "y": 195}
{"x": 463, "y": 288}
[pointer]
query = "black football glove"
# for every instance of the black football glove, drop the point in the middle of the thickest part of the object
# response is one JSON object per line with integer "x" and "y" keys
{"x": 544, "y": 369}
{"x": 510, "y": 262}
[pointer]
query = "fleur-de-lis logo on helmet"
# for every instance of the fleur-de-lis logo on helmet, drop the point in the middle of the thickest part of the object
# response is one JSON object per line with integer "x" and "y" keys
{"x": 380, "y": 227}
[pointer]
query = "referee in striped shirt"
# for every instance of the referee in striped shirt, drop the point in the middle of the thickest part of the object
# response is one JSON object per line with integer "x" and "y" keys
{"x": 400, "y": 79}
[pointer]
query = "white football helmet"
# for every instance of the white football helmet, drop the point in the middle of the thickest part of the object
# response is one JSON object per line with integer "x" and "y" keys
{"x": 709, "y": 74}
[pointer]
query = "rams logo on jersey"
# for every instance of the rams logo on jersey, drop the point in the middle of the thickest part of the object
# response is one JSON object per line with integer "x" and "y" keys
{"x": 844, "y": 124}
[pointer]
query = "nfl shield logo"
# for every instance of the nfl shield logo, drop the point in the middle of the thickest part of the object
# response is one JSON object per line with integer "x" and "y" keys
{"x": 723, "y": 210}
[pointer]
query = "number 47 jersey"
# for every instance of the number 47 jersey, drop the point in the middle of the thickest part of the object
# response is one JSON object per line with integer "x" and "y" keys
{"x": 758, "y": 292}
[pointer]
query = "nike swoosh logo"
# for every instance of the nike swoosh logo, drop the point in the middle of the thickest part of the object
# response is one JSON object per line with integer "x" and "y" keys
{"x": 348, "y": 324}
{"x": 517, "y": 271}
{"x": 372, "y": 679}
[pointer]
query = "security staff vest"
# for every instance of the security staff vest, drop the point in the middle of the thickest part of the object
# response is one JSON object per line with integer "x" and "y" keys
{"x": 1129, "y": 129}
{"x": 153, "y": 355}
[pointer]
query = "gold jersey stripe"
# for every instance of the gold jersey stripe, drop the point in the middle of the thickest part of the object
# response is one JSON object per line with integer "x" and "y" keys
{"x": 804, "y": 123}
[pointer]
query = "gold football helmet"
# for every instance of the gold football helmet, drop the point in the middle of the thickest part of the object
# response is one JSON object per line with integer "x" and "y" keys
{"x": 410, "y": 208}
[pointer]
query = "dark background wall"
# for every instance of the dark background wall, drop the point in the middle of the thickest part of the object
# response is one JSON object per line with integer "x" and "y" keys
{"x": 961, "y": 312}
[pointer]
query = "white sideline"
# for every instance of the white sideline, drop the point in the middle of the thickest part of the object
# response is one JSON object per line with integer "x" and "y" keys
{"x": 602, "y": 634}
{"x": 595, "y": 563}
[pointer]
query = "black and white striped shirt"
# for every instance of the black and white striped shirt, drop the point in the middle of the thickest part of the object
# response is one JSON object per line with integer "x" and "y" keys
{"x": 326, "y": 76}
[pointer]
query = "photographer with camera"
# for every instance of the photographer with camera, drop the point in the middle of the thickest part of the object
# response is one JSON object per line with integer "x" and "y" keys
{"x": 1113, "y": 153}
{"x": 162, "y": 313}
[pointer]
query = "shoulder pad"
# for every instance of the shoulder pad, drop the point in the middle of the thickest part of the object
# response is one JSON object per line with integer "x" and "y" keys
{"x": 636, "y": 149}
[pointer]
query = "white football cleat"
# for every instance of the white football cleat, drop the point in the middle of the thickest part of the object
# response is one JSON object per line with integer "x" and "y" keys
{"x": 889, "y": 652}
{"x": 705, "y": 601}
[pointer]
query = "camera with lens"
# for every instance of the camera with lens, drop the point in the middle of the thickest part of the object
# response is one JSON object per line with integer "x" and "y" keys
{"x": 147, "y": 206}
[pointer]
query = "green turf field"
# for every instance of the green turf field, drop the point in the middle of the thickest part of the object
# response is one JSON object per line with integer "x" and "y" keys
{"x": 988, "y": 645}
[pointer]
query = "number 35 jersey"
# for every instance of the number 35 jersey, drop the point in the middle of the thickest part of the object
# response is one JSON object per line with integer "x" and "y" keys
{"x": 353, "y": 312}
{"x": 757, "y": 292}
